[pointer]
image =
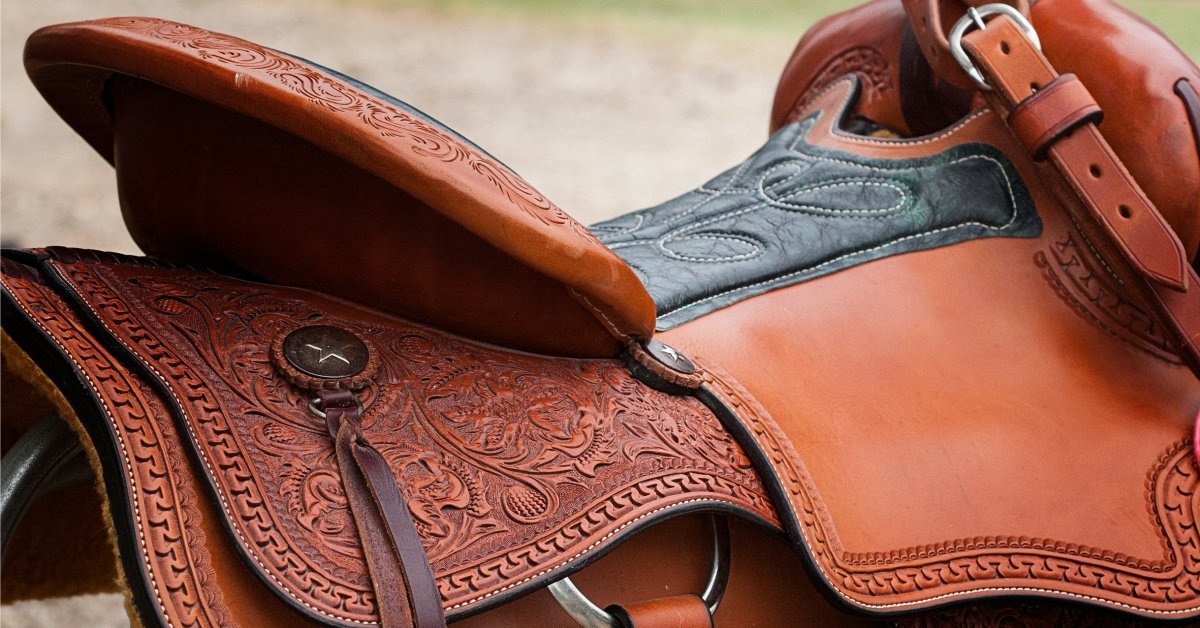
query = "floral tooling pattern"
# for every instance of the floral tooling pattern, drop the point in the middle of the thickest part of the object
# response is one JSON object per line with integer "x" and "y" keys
{"x": 514, "y": 466}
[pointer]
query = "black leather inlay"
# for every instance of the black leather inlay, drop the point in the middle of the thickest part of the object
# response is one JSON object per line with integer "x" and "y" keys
{"x": 794, "y": 211}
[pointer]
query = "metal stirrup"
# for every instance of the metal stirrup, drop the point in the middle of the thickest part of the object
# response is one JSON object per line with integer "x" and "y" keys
{"x": 46, "y": 458}
{"x": 584, "y": 611}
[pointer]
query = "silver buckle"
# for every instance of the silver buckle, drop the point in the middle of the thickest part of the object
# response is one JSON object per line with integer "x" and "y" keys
{"x": 584, "y": 611}
{"x": 974, "y": 17}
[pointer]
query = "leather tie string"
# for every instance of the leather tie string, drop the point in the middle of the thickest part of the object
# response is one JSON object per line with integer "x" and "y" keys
{"x": 405, "y": 590}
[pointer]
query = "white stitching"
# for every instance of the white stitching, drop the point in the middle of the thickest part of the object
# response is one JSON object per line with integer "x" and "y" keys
{"x": 641, "y": 218}
{"x": 803, "y": 110}
{"x": 780, "y": 201}
{"x": 604, "y": 319}
{"x": 1011, "y": 220}
{"x": 728, "y": 237}
{"x": 204, "y": 458}
{"x": 825, "y": 576}
{"x": 711, "y": 194}
{"x": 583, "y": 551}
{"x": 137, "y": 510}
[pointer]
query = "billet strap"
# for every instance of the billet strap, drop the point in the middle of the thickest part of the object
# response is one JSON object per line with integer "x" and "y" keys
{"x": 680, "y": 611}
{"x": 929, "y": 23}
{"x": 1055, "y": 117}
{"x": 405, "y": 589}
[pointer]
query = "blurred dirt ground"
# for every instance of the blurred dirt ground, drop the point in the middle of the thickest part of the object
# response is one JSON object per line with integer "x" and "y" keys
{"x": 602, "y": 119}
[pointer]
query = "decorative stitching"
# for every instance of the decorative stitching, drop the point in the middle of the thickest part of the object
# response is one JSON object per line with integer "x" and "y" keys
{"x": 235, "y": 523}
{"x": 604, "y": 319}
{"x": 805, "y": 109}
{"x": 1011, "y": 220}
{"x": 719, "y": 236}
{"x": 581, "y": 552}
{"x": 784, "y": 463}
{"x": 132, "y": 479}
{"x": 904, "y": 196}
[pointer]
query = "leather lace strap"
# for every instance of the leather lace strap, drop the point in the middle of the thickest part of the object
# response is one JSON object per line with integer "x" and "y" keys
{"x": 405, "y": 590}
{"x": 1092, "y": 183}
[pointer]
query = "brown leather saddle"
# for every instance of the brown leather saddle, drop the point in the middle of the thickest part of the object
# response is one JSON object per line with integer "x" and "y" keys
{"x": 929, "y": 356}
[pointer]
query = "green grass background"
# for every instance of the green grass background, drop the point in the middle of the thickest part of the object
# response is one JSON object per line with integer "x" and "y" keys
{"x": 785, "y": 20}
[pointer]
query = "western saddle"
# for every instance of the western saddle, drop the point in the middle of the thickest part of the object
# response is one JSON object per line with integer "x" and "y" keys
{"x": 929, "y": 356}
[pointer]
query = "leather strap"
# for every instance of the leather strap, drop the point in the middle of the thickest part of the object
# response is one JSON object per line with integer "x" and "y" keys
{"x": 680, "y": 611}
{"x": 932, "y": 19}
{"x": 1096, "y": 188}
{"x": 405, "y": 590}
{"x": 1052, "y": 112}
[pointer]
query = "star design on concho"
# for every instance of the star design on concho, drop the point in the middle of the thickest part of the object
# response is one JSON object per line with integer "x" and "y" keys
{"x": 325, "y": 351}
{"x": 673, "y": 353}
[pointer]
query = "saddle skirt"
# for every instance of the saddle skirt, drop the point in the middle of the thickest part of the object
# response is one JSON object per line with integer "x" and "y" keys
{"x": 935, "y": 336}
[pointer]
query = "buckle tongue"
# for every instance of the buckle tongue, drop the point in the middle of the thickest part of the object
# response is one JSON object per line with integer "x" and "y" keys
{"x": 974, "y": 17}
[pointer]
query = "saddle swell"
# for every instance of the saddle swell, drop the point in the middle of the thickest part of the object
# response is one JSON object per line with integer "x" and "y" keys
{"x": 902, "y": 338}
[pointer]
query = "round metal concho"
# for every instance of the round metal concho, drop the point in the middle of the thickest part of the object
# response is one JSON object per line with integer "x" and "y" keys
{"x": 326, "y": 352}
{"x": 670, "y": 358}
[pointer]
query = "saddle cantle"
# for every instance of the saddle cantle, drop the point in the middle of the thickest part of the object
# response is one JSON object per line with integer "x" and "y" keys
{"x": 941, "y": 334}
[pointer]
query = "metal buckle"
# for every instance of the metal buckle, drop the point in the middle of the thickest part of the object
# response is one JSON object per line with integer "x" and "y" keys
{"x": 584, "y": 611}
{"x": 975, "y": 17}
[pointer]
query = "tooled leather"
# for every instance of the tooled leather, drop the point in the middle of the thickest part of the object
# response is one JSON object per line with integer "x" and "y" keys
{"x": 1162, "y": 586}
{"x": 427, "y": 137}
{"x": 1081, "y": 279}
{"x": 515, "y": 466}
{"x": 163, "y": 509}
{"x": 794, "y": 211}
{"x": 867, "y": 63}
{"x": 1018, "y": 615}
{"x": 1017, "y": 68}
{"x": 1094, "y": 184}
{"x": 406, "y": 595}
{"x": 398, "y": 144}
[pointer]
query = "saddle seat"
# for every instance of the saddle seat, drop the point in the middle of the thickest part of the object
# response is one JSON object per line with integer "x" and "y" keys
{"x": 926, "y": 357}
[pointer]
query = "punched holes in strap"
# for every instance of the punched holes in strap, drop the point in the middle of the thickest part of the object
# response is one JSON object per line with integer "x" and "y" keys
{"x": 1052, "y": 113}
{"x": 1099, "y": 189}
{"x": 1017, "y": 69}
